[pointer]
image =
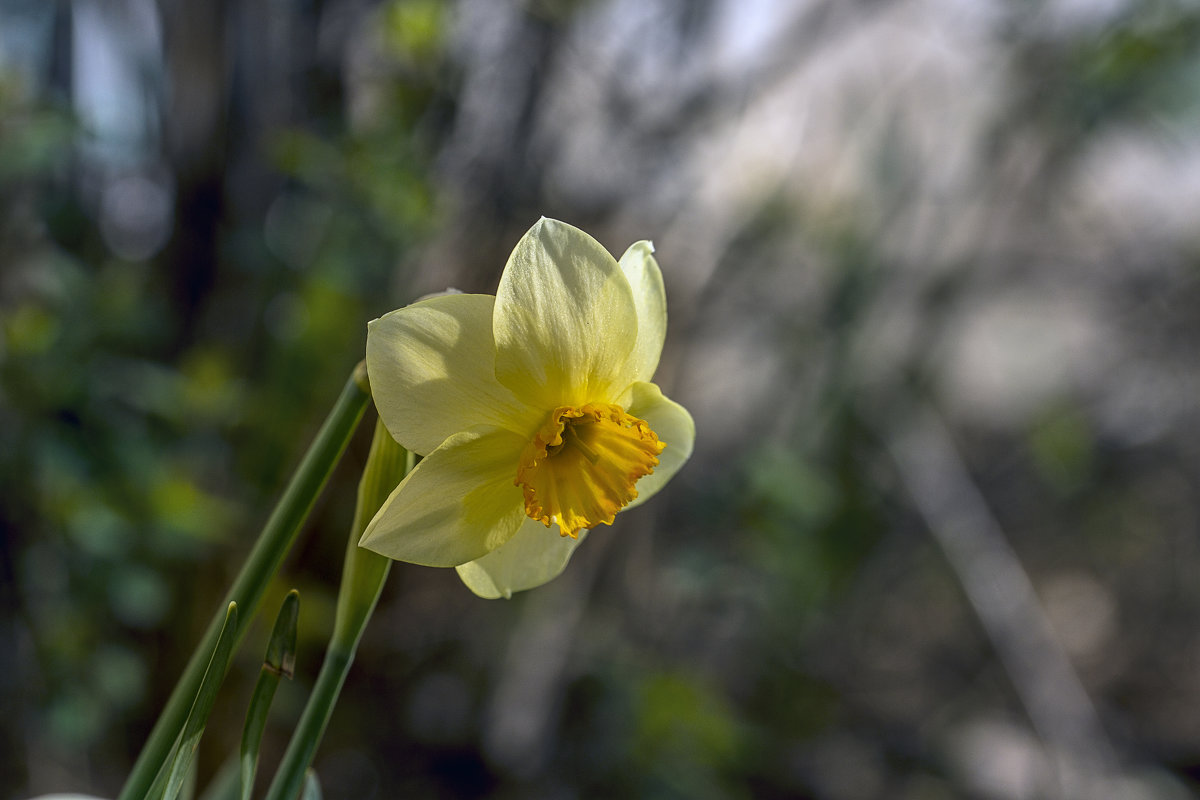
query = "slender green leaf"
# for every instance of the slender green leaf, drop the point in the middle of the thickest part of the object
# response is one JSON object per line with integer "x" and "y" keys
{"x": 273, "y": 545}
{"x": 363, "y": 576}
{"x": 312, "y": 787}
{"x": 197, "y": 718}
{"x": 281, "y": 650}
{"x": 188, "y": 790}
{"x": 280, "y": 661}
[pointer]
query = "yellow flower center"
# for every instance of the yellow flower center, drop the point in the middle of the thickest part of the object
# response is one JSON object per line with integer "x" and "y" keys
{"x": 581, "y": 467}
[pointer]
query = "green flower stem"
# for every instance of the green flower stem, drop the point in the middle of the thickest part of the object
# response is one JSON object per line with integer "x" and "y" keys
{"x": 363, "y": 577}
{"x": 273, "y": 544}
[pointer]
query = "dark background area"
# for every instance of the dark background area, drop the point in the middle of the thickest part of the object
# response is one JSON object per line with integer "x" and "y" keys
{"x": 932, "y": 275}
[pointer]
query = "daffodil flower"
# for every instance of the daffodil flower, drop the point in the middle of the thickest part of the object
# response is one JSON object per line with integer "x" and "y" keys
{"x": 533, "y": 410}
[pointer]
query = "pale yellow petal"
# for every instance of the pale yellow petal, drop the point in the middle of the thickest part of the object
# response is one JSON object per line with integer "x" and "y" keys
{"x": 432, "y": 372}
{"x": 674, "y": 427}
{"x": 565, "y": 321}
{"x": 456, "y": 506}
{"x": 533, "y": 556}
{"x": 650, "y": 299}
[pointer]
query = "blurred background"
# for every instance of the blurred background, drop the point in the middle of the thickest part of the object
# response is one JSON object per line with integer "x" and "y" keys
{"x": 932, "y": 268}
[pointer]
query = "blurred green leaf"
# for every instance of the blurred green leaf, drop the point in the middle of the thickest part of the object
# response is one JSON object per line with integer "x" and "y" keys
{"x": 140, "y": 596}
{"x": 414, "y": 28}
{"x": 686, "y": 735}
{"x": 30, "y": 330}
{"x": 1061, "y": 444}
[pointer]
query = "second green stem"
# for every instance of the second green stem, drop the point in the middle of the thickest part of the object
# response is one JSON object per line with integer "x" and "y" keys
{"x": 363, "y": 577}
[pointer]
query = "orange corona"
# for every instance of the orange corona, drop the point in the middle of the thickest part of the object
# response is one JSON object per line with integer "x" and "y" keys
{"x": 582, "y": 466}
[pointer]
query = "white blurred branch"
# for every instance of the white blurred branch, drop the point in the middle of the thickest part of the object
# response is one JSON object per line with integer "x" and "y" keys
{"x": 1002, "y": 595}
